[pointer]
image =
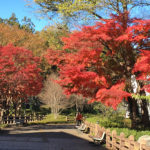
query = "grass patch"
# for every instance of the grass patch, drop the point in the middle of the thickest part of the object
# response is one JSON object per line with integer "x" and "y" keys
{"x": 128, "y": 132}
{"x": 3, "y": 126}
{"x": 50, "y": 119}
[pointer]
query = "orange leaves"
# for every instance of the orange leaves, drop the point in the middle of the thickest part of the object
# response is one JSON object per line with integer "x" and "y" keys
{"x": 21, "y": 38}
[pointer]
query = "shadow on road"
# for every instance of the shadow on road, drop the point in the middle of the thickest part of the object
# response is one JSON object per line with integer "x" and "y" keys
{"x": 47, "y": 137}
{"x": 35, "y": 127}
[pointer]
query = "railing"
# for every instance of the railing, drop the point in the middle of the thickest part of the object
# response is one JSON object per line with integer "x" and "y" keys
{"x": 114, "y": 141}
{"x": 70, "y": 119}
{"x": 21, "y": 119}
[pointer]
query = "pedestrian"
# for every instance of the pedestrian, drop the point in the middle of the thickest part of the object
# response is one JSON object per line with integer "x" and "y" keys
{"x": 78, "y": 118}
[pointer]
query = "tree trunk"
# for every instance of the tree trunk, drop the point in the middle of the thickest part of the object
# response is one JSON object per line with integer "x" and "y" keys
{"x": 145, "y": 116}
{"x": 144, "y": 108}
{"x": 55, "y": 115}
{"x": 77, "y": 107}
{"x": 134, "y": 113}
{"x": 2, "y": 114}
{"x": 15, "y": 107}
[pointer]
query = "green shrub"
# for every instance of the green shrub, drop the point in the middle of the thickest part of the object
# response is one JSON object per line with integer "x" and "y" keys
{"x": 118, "y": 123}
{"x": 127, "y": 123}
{"x": 114, "y": 121}
{"x": 128, "y": 132}
{"x": 69, "y": 111}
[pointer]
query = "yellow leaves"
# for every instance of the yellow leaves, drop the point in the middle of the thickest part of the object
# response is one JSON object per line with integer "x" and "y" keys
{"x": 69, "y": 7}
{"x": 10, "y": 34}
{"x": 21, "y": 38}
{"x": 53, "y": 36}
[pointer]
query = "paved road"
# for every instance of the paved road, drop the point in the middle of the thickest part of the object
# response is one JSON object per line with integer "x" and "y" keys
{"x": 45, "y": 137}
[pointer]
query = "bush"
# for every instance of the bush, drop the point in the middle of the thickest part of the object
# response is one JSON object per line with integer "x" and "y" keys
{"x": 118, "y": 123}
{"x": 114, "y": 121}
{"x": 128, "y": 132}
{"x": 69, "y": 111}
{"x": 127, "y": 123}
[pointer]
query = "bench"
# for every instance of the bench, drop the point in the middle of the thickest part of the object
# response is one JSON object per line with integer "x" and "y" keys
{"x": 84, "y": 128}
{"x": 87, "y": 130}
{"x": 81, "y": 127}
{"x": 99, "y": 138}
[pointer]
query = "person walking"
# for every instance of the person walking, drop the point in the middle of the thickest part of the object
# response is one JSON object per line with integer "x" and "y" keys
{"x": 78, "y": 119}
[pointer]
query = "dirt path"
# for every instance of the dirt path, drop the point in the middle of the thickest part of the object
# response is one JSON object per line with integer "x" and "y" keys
{"x": 45, "y": 137}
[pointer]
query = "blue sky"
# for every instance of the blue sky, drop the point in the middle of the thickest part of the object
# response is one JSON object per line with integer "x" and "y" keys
{"x": 7, "y": 7}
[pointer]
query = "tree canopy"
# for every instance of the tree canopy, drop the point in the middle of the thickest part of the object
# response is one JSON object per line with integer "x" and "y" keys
{"x": 19, "y": 73}
{"x": 53, "y": 36}
{"x": 102, "y": 59}
{"x": 25, "y": 23}
{"x": 88, "y": 9}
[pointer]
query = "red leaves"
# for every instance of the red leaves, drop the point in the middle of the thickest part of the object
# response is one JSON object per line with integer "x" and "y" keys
{"x": 137, "y": 32}
{"x": 142, "y": 66}
{"x": 141, "y": 36}
{"x": 19, "y": 72}
{"x": 99, "y": 56}
{"x": 143, "y": 63}
{"x": 55, "y": 57}
{"x": 113, "y": 96}
{"x": 85, "y": 39}
{"x": 79, "y": 81}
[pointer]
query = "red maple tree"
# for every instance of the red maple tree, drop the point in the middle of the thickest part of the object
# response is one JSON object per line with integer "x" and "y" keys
{"x": 102, "y": 59}
{"x": 19, "y": 73}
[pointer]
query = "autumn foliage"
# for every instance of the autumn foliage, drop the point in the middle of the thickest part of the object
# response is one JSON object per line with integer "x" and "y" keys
{"x": 142, "y": 67}
{"x": 101, "y": 58}
{"x": 22, "y": 38}
{"x": 115, "y": 94}
{"x": 19, "y": 73}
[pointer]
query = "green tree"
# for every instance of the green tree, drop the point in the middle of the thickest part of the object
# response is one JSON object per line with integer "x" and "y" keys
{"x": 85, "y": 9}
{"x": 27, "y": 24}
{"x": 13, "y": 20}
{"x": 1, "y": 20}
{"x": 53, "y": 35}
{"x": 34, "y": 103}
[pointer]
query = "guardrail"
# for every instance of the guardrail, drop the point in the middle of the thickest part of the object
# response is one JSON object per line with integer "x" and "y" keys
{"x": 21, "y": 119}
{"x": 114, "y": 141}
{"x": 70, "y": 119}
